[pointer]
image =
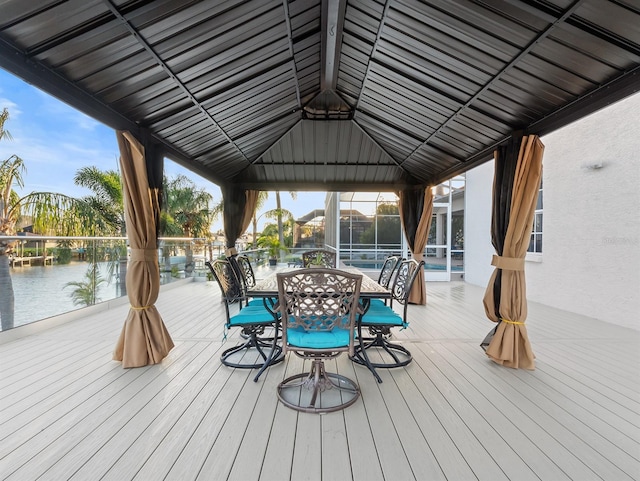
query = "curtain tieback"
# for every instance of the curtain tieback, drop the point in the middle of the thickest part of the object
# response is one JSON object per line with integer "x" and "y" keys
{"x": 142, "y": 308}
{"x": 144, "y": 255}
{"x": 517, "y": 323}
{"x": 419, "y": 256}
{"x": 508, "y": 263}
{"x": 230, "y": 251}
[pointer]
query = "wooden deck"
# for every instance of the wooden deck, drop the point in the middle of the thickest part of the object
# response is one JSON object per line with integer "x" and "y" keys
{"x": 67, "y": 411}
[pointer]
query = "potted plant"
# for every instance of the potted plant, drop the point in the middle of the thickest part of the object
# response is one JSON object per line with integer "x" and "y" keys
{"x": 273, "y": 246}
{"x": 317, "y": 261}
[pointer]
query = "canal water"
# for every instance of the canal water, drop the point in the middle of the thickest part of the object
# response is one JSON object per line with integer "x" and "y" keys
{"x": 40, "y": 291}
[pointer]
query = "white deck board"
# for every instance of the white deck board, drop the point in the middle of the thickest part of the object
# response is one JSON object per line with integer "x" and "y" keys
{"x": 68, "y": 411}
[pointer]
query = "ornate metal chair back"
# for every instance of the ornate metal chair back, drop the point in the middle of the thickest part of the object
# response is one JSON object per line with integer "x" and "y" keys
{"x": 319, "y": 300}
{"x": 246, "y": 270}
{"x": 227, "y": 278}
{"x": 402, "y": 284}
{"x": 319, "y": 257}
{"x": 387, "y": 270}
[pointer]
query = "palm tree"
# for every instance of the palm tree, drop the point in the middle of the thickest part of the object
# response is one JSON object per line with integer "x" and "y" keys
{"x": 107, "y": 196}
{"x": 263, "y": 195}
{"x": 278, "y": 213}
{"x": 85, "y": 292}
{"x": 69, "y": 216}
{"x": 187, "y": 212}
{"x": 217, "y": 211}
{"x": 107, "y": 199}
{"x": 282, "y": 213}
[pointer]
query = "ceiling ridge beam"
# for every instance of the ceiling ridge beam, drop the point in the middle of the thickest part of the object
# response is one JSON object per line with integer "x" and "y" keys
{"x": 542, "y": 35}
{"x": 142, "y": 41}
{"x": 332, "y": 24}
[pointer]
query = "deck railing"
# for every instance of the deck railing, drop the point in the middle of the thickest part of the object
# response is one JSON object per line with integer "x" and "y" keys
{"x": 53, "y": 275}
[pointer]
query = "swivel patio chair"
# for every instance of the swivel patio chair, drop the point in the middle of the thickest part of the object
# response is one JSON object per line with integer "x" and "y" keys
{"x": 318, "y": 309}
{"x": 253, "y": 320}
{"x": 319, "y": 257}
{"x": 244, "y": 271}
{"x": 386, "y": 274}
{"x": 379, "y": 319}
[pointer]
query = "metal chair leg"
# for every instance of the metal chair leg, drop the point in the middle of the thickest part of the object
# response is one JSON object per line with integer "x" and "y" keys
{"x": 400, "y": 356}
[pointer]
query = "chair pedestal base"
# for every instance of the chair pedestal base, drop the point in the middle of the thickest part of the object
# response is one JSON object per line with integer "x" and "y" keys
{"x": 253, "y": 353}
{"x": 393, "y": 355}
{"x": 318, "y": 391}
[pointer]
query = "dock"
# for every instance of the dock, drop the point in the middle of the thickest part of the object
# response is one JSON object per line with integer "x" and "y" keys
{"x": 31, "y": 261}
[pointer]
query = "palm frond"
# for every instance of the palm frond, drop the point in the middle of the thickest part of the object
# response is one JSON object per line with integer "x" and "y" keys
{"x": 61, "y": 214}
{"x": 4, "y": 116}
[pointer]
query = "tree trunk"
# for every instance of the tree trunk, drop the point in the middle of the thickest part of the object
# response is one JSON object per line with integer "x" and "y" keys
{"x": 280, "y": 226}
{"x": 189, "y": 266}
{"x": 166, "y": 255}
{"x": 255, "y": 231}
{"x": 122, "y": 276}
{"x": 7, "y": 300}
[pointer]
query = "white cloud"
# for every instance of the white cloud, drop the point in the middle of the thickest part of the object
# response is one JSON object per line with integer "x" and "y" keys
{"x": 12, "y": 107}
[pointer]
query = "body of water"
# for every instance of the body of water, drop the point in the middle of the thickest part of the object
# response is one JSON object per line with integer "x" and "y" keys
{"x": 40, "y": 291}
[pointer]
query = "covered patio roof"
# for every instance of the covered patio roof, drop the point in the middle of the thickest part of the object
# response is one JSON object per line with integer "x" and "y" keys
{"x": 335, "y": 95}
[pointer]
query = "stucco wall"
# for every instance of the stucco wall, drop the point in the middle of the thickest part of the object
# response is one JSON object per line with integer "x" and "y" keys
{"x": 591, "y": 229}
{"x": 477, "y": 225}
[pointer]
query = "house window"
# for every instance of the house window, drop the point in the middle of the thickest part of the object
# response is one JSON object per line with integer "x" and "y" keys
{"x": 535, "y": 244}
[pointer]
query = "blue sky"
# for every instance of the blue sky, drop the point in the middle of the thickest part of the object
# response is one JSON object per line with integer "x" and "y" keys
{"x": 55, "y": 140}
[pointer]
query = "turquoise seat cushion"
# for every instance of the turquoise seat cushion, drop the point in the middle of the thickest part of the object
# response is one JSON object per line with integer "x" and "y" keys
{"x": 383, "y": 317}
{"x": 260, "y": 302}
{"x": 298, "y": 337}
{"x": 380, "y": 309}
{"x": 251, "y": 315}
{"x": 376, "y": 303}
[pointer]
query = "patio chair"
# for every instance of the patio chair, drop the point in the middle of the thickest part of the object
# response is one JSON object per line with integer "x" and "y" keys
{"x": 244, "y": 271}
{"x": 319, "y": 257}
{"x": 379, "y": 319}
{"x": 318, "y": 309}
{"x": 253, "y": 320}
{"x": 386, "y": 274}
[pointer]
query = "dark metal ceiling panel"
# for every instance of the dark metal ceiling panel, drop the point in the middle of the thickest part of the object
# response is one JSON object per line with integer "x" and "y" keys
{"x": 324, "y": 153}
{"x": 425, "y": 89}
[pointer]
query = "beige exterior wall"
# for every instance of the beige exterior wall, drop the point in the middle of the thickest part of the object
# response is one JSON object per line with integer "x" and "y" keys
{"x": 591, "y": 230}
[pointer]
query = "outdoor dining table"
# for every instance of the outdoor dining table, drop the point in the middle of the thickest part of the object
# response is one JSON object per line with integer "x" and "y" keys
{"x": 267, "y": 289}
